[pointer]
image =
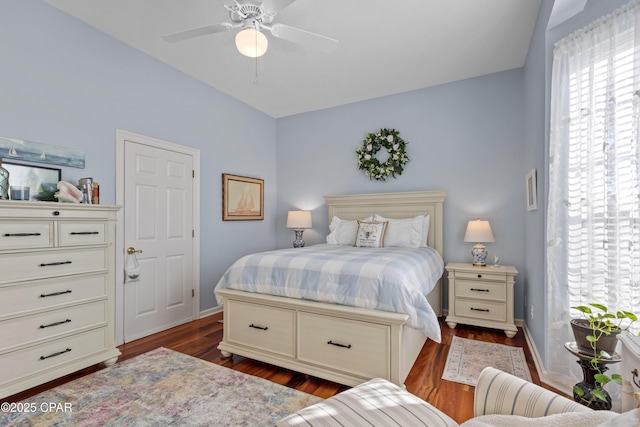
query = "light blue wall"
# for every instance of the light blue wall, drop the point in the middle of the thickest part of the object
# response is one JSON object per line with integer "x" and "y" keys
{"x": 537, "y": 88}
{"x": 66, "y": 84}
{"x": 465, "y": 137}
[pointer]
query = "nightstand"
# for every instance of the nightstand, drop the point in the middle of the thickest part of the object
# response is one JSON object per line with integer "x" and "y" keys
{"x": 481, "y": 296}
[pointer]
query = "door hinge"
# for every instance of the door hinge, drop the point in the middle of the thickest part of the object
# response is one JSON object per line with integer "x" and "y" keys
{"x": 193, "y": 233}
{"x": 193, "y": 293}
{"x": 193, "y": 173}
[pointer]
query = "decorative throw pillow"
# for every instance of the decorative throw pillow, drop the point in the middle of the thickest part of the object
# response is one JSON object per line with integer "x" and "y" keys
{"x": 404, "y": 233}
{"x": 371, "y": 234}
{"x": 343, "y": 232}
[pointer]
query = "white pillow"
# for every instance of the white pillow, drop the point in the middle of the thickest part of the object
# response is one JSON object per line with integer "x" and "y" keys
{"x": 371, "y": 234}
{"x": 406, "y": 233}
{"x": 343, "y": 232}
{"x": 425, "y": 231}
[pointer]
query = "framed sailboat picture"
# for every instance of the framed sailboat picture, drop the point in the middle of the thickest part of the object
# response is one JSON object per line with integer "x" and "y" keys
{"x": 242, "y": 198}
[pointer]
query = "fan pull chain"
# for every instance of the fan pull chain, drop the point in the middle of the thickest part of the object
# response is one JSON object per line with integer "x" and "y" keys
{"x": 255, "y": 81}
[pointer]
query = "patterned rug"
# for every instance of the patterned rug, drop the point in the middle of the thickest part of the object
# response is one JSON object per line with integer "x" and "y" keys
{"x": 467, "y": 358}
{"x": 161, "y": 388}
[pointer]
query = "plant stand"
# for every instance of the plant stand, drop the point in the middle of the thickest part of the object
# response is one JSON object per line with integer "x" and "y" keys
{"x": 588, "y": 383}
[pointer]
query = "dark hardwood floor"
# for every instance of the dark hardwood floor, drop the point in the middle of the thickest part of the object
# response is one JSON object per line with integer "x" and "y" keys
{"x": 200, "y": 338}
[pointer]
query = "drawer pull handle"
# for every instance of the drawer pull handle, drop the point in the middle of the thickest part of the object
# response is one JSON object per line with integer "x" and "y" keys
{"x": 62, "y": 322}
{"x": 338, "y": 344}
{"x": 55, "y": 354}
{"x": 262, "y": 328}
{"x": 55, "y": 294}
{"x": 479, "y": 276}
{"x": 55, "y": 263}
{"x": 480, "y": 309}
{"x": 74, "y": 233}
{"x": 56, "y": 213}
{"x": 21, "y": 234}
{"x": 480, "y": 290}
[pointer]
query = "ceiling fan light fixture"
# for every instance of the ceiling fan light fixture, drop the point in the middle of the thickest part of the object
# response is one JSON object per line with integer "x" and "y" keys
{"x": 252, "y": 43}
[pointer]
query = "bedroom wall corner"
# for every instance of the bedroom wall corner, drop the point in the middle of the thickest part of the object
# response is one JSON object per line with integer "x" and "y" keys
{"x": 537, "y": 88}
{"x": 65, "y": 83}
{"x": 465, "y": 137}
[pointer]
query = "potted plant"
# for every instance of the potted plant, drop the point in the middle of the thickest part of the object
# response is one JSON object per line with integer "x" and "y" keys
{"x": 596, "y": 338}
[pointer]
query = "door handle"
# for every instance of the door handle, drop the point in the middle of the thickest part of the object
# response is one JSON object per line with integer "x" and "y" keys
{"x": 131, "y": 250}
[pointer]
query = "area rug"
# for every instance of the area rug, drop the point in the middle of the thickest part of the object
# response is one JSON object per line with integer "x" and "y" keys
{"x": 161, "y": 388}
{"x": 467, "y": 358}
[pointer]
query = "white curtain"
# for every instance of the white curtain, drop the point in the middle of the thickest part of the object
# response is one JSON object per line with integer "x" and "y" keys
{"x": 593, "y": 222}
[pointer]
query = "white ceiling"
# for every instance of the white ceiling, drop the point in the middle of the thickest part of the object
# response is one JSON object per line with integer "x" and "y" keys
{"x": 386, "y": 46}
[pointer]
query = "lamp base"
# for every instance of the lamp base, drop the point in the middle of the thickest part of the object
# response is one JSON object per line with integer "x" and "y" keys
{"x": 479, "y": 253}
{"x": 298, "y": 242}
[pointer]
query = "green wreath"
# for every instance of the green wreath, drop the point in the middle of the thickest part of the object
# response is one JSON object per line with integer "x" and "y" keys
{"x": 374, "y": 142}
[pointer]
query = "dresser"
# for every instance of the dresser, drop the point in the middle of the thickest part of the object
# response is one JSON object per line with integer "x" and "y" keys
{"x": 481, "y": 296}
{"x": 56, "y": 291}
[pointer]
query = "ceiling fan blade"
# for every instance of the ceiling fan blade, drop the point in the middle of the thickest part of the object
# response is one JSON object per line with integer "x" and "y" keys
{"x": 306, "y": 38}
{"x": 197, "y": 32}
{"x": 275, "y": 6}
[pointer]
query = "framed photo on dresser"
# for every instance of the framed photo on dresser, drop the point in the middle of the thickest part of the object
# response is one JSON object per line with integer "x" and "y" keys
{"x": 41, "y": 181}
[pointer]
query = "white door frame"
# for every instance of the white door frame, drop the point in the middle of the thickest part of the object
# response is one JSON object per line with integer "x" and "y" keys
{"x": 121, "y": 136}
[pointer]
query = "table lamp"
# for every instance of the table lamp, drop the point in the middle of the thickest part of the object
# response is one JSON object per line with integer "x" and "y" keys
{"x": 479, "y": 231}
{"x": 299, "y": 220}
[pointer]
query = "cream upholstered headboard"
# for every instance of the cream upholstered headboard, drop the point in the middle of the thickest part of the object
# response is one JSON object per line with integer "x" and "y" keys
{"x": 397, "y": 205}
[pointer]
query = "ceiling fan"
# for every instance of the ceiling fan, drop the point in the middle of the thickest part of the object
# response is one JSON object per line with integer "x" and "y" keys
{"x": 254, "y": 16}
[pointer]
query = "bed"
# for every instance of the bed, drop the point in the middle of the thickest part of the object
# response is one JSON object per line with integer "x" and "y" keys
{"x": 337, "y": 342}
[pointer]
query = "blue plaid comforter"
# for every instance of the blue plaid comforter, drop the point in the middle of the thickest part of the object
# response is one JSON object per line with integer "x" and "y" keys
{"x": 390, "y": 279}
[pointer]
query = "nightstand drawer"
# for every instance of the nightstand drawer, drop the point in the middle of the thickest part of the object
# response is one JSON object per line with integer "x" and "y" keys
{"x": 489, "y": 275}
{"x": 481, "y": 290}
{"x": 260, "y": 326}
{"x": 481, "y": 310}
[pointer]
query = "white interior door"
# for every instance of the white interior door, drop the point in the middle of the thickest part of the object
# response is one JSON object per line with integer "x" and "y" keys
{"x": 158, "y": 221}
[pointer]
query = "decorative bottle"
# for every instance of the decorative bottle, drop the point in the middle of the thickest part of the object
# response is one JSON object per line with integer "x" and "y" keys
{"x": 4, "y": 182}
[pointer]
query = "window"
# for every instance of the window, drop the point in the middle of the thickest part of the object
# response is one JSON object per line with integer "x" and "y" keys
{"x": 593, "y": 221}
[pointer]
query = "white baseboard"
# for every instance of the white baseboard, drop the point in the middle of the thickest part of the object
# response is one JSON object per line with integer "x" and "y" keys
{"x": 210, "y": 312}
{"x": 545, "y": 377}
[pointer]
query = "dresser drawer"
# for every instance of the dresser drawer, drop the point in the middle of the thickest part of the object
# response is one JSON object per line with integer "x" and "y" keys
{"x": 50, "y": 293}
{"x": 259, "y": 326}
{"x": 484, "y": 290}
{"x": 40, "y": 358}
{"x": 38, "y": 265}
{"x": 26, "y": 234}
{"x": 356, "y": 347}
{"x": 82, "y": 233}
{"x": 489, "y": 275}
{"x": 23, "y": 330}
{"x": 485, "y": 310}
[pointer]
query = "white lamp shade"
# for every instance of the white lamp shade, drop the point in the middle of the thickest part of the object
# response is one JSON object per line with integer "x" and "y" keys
{"x": 299, "y": 219}
{"x": 251, "y": 42}
{"x": 478, "y": 231}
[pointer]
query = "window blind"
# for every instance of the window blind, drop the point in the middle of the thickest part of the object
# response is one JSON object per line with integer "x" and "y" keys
{"x": 603, "y": 174}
